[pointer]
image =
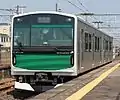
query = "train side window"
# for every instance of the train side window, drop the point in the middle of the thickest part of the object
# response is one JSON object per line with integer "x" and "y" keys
{"x": 90, "y": 41}
{"x": 98, "y": 43}
{"x": 86, "y": 42}
{"x": 82, "y": 38}
{"x": 110, "y": 46}
{"x": 106, "y": 45}
{"x": 95, "y": 43}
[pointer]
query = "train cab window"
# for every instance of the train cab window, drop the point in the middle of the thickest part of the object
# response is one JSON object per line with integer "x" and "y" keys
{"x": 86, "y": 42}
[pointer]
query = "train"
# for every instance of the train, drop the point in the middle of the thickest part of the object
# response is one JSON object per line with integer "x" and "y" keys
{"x": 49, "y": 46}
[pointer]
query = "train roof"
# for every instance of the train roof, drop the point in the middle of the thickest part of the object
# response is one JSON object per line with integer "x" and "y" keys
{"x": 89, "y": 24}
{"x": 50, "y": 12}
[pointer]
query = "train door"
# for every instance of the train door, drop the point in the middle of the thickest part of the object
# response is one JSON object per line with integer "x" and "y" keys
{"x": 104, "y": 52}
{"x": 100, "y": 50}
{"x": 93, "y": 49}
{"x": 82, "y": 48}
{"x": 78, "y": 50}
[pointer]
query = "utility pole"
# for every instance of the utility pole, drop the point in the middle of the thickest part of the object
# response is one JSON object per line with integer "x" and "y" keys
{"x": 56, "y": 7}
{"x": 18, "y": 9}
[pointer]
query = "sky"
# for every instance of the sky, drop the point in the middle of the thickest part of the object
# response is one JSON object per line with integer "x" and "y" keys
{"x": 97, "y": 6}
{"x": 94, "y": 6}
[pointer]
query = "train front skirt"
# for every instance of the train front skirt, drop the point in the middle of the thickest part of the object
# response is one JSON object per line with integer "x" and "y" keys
{"x": 23, "y": 86}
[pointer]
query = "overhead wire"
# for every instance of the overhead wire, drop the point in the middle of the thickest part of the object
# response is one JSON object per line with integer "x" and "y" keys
{"x": 82, "y": 9}
{"x": 82, "y": 5}
{"x": 74, "y": 5}
{"x": 88, "y": 10}
{"x": 79, "y": 7}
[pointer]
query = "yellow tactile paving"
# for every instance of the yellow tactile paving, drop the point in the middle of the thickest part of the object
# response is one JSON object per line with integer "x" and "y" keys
{"x": 87, "y": 88}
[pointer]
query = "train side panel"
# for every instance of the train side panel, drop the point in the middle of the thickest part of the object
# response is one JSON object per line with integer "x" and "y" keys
{"x": 94, "y": 47}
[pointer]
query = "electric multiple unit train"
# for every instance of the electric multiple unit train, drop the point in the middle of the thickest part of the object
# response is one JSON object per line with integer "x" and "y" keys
{"x": 53, "y": 45}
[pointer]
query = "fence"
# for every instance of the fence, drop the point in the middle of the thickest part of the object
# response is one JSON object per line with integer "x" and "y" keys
{"x": 5, "y": 56}
{"x": 6, "y": 82}
{"x": 5, "y": 63}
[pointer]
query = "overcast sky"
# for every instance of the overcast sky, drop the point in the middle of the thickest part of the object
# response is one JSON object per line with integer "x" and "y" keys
{"x": 97, "y": 6}
{"x": 94, "y": 6}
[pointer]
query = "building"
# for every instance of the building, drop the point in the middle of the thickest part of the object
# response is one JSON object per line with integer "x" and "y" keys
{"x": 5, "y": 34}
{"x": 4, "y": 40}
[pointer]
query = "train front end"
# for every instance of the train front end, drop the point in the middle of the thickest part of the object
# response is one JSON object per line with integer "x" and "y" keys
{"x": 43, "y": 46}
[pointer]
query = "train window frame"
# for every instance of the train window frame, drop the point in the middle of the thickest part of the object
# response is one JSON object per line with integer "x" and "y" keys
{"x": 98, "y": 43}
{"x": 95, "y": 43}
{"x": 90, "y": 42}
{"x": 106, "y": 45}
{"x": 110, "y": 45}
{"x": 72, "y": 23}
{"x": 86, "y": 41}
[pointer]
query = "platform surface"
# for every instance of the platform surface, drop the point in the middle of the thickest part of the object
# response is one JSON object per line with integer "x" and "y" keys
{"x": 107, "y": 88}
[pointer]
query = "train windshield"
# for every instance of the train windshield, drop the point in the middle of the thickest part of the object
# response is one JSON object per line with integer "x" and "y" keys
{"x": 43, "y": 30}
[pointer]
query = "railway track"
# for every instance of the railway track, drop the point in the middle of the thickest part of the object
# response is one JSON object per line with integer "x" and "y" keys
{"x": 6, "y": 86}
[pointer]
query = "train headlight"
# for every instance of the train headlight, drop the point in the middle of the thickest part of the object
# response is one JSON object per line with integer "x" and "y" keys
{"x": 14, "y": 60}
{"x": 68, "y": 19}
{"x": 72, "y": 59}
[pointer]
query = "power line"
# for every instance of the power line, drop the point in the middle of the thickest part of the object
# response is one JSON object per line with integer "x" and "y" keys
{"x": 110, "y": 14}
{"x": 79, "y": 7}
{"x": 86, "y": 9}
{"x": 82, "y": 5}
{"x": 92, "y": 16}
{"x": 75, "y": 5}
{"x": 17, "y": 11}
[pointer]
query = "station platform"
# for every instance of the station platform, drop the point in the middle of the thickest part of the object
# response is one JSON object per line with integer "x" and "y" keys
{"x": 100, "y": 84}
{"x": 108, "y": 89}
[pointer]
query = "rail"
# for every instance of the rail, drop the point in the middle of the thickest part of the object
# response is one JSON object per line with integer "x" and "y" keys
{"x": 6, "y": 85}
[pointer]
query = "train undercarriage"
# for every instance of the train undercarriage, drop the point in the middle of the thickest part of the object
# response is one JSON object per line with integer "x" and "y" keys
{"x": 40, "y": 79}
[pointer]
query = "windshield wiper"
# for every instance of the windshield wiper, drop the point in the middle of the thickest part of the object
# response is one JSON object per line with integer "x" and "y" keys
{"x": 19, "y": 46}
{"x": 63, "y": 49}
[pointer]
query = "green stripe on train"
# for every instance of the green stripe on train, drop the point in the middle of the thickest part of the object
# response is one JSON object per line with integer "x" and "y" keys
{"x": 42, "y": 62}
{"x": 51, "y": 26}
{"x": 44, "y": 26}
